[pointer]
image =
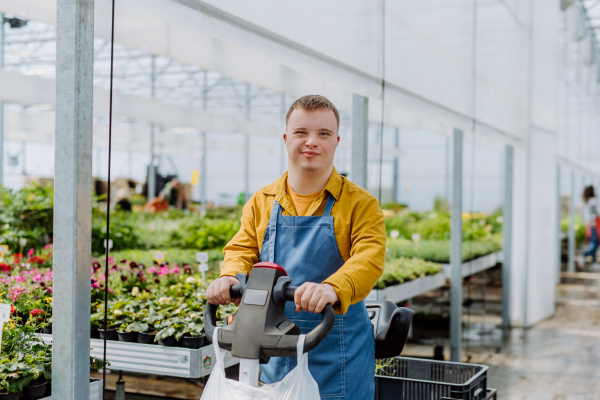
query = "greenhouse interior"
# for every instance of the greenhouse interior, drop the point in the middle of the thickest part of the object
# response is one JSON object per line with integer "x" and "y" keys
{"x": 417, "y": 177}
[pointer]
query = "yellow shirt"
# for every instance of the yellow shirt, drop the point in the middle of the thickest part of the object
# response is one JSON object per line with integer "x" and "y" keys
{"x": 359, "y": 232}
{"x": 301, "y": 202}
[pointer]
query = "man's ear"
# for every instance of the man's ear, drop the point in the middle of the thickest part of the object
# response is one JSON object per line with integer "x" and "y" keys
{"x": 285, "y": 138}
{"x": 338, "y": 138}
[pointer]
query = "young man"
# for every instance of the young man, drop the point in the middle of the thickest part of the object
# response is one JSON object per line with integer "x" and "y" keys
{"x": 329, "y": 235}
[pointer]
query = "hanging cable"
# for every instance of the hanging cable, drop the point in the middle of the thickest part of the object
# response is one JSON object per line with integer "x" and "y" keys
{"x": 382, "y": 93}
{"x": 107, "y": 242}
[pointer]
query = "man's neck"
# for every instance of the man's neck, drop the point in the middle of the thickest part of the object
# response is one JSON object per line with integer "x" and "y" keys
{"x": 304, "y": 182}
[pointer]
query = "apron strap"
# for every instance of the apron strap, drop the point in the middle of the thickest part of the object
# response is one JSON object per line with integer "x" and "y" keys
{"x": 273, "y": 229}
{"x": 329, "y": 205}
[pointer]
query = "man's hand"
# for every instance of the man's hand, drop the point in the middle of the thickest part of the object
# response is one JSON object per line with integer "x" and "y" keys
{"x": 313, "y": 297}
{"x": 218, "y": 291}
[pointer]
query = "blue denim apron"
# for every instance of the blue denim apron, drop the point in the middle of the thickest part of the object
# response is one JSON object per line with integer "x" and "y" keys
{"x": 343, "y": 364}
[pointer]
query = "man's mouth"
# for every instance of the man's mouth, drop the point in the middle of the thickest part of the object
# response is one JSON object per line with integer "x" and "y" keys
{"x": 310, "y": 154}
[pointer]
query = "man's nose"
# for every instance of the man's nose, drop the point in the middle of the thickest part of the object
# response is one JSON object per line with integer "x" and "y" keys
{"x": 311, "y": 141}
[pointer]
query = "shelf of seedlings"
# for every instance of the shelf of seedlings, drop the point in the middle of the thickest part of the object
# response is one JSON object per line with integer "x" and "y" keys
{"x": 156, "y": 359}
{"x": 418, "y": 286}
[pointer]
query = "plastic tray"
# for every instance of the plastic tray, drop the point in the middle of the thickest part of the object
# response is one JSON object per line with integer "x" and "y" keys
{"x": 419, "y": 379}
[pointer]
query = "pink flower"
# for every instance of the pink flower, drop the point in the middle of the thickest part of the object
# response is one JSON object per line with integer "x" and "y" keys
{"x": 175, "y": 270}
{"x": 48, "y": 246}
{"x": 30, "y": 252}
{"x": 163, "y": 270}
{"x": 21, "y": 279}
{"x": 152, "y": 270}
{"x": 14, "y": 293}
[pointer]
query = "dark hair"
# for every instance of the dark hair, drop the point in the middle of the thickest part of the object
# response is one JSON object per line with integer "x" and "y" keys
{"x": 313, "y": 102}
{"x": 588, "y": 193}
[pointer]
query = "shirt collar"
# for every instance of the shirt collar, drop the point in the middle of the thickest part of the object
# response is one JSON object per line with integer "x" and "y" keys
{"x": 333, "y": 186}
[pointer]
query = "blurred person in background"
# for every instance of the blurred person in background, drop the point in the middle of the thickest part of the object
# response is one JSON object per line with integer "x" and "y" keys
{"x": 159, "y": 203}
{"x": 590, "y": 216}
{"x": 123, "y": 203}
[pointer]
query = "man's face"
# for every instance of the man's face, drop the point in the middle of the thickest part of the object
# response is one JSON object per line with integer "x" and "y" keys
{"x": 311, "y": 139}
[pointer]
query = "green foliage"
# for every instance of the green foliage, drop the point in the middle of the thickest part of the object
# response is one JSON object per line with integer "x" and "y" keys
{"x": 578, "y": 226}
{"x": 123, "y": 232}
{"x": 439, "y": 250}
{"x": 435, "y": 225}
{"x": 203, "y": 234}
{"x": 25, "y": 357}
{"x": 399, "y": 270}
{"x": 26, "y": 213}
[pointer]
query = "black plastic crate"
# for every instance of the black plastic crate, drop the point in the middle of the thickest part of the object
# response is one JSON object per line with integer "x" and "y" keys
{"x": 404, "y": 378}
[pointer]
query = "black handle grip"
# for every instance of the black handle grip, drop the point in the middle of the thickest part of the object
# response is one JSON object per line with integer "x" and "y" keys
{"x": 316, "y": 336}
{"x": 210, "y": 311}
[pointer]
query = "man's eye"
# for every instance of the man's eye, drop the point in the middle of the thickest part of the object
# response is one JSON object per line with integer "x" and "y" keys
{"x": 300, "y": 132}
{"x": 324, "y": 133}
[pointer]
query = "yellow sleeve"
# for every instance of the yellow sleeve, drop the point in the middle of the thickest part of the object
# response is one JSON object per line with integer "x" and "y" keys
{"x": 355, "y": 279}
{"x": 241, "y": 253}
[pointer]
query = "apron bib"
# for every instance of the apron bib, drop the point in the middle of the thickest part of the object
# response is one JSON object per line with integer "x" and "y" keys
{"x": 343, "y": 364}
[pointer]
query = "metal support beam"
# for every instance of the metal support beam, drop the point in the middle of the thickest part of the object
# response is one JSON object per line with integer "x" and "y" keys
{"x": 396, "y": 186}
{"x": 571, "y": 266}
{"x": 558, "y": 218}
{"x": 507, "y": 235}
{"x": 152, "y": 167}
{"x": 360, "y": 142}
{"x": 1, "y": 102}
{"x": 203, "y": 175}
{"x": 247, "y": 148}
{"x": 456, "y": 293}
{"x": 73, "y": 199}
{"x": 247, "y": 169}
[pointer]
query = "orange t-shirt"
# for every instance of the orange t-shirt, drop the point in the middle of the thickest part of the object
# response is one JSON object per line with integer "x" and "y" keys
{"x": 301, "y": 202}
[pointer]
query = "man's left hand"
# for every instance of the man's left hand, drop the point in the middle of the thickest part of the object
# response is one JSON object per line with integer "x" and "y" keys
{"x": 313, "y": 297}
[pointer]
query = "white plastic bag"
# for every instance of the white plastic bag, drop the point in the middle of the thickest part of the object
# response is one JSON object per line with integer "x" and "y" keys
{"x": 298, "y": 384}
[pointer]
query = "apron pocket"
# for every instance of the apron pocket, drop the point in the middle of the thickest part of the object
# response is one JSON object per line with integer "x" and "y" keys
{"x": 326, "y": 362}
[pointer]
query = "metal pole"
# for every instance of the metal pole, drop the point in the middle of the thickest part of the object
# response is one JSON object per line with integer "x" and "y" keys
{"x": 360, "y": 142}
{"x": 73, "y": 199}
{"x": 571, "y": 267}
{"x": 23, "y": 158}
{"x": 1, "y": 102}
{"x": 558, "y": 218}
{"x": 396, "y": 167}
{"x": 247, "y": 169}
{"x": 120, "y": 387}
{"x": 152, "y": 168}
{"x": 203, "y": 175}
{"x": 507, "y": 235}
{"x": 447, "y": 170}
{"x": 456, "y": 295}
{"x": 203, "y": 172}
{"x": 247, "y": 150}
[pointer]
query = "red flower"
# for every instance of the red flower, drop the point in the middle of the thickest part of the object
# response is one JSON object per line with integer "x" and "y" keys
{"x": 36, "y": 259}
{"x": 5, "y": 267}
{"x": 35, "y": 312}
{"x": 13, "y": 309}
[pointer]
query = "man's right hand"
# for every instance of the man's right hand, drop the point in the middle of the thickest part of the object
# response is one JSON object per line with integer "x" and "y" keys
{"x": 218, "y": 291}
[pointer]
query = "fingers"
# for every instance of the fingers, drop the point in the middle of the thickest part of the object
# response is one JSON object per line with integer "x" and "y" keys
{"x": 298, "y": 296}
{"x": 321, "y": 304}
{"x": 218, "y": 291}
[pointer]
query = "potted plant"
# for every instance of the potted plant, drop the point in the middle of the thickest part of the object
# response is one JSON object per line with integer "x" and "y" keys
{"x": 26, "y": 361}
